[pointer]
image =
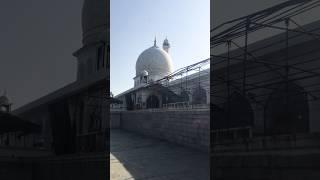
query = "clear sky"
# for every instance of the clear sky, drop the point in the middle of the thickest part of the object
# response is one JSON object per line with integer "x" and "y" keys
{"x": 134, "y": 24}
{"x": 38, "y": 38}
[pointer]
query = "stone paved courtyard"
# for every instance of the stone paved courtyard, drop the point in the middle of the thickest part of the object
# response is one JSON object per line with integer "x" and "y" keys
{"x": 135, "y": 157}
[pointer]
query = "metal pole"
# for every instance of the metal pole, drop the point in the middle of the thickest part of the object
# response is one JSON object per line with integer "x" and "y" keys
{"x": 245, "y": 57}
{"x": 228, "y": 81}
{"x": 287, "y": 69}
{"x": 187, "y": 79}
{"x": 199, "y": 86}
{"x": 264, "y": 120}
{"x": 199, "y": 75}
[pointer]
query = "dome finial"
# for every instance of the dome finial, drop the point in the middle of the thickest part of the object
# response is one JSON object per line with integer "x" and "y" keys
{"x": 155, "y": 41}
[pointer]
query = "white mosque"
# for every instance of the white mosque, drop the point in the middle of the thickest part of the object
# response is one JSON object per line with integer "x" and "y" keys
{"x": 154, "y": 64}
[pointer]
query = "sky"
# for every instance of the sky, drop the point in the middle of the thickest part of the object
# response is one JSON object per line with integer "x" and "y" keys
{"x": 37, "y": 39}
{"x": 134, "y": 25}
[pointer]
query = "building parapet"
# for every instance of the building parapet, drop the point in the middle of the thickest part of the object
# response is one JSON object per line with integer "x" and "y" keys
{"x": 167, "y": 107}
{"x": 268, "y": 143}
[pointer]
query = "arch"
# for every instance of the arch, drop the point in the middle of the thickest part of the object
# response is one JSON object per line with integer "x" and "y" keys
{"x": 239, "y": 112}
{"x": 153, "y": 102}
{"x": 287, "y": 110}
{"x": 199, "y": 95}
{"x": 217, "y": 114}
{"x": 129, "y": 102}
{"x": 184, "y": 96}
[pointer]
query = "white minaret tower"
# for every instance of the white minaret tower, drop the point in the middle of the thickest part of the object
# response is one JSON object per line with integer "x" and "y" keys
{"x": 166, "y": 45}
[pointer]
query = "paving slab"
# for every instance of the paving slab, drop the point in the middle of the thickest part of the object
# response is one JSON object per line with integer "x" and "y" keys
{"x": 136, "y": 157}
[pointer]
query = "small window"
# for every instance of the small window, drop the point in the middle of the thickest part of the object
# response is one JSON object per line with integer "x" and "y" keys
{"x": 100, "y": 60}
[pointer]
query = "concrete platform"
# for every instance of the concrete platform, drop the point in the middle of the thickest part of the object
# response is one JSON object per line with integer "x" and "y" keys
{"x": 135, "y": 157}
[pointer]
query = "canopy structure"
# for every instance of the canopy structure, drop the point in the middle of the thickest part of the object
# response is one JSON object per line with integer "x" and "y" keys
{"x": 267, "y": 18}
{"x": 11, "y": 123}
{"x": 262, "y": 60}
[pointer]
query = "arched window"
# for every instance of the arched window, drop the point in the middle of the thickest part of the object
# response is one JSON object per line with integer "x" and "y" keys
{"x": 184, "y": 96}
{"x": 287, "y": 110}
{"x": 217, "y": 114}
{"x": 153, "y": 102}
{"x": 100, "y": 57}
{"x": 239, "y": 112}
{"x": 129, "y": 102}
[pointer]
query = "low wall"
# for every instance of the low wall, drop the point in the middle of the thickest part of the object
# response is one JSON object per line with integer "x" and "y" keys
{"x": 115, "y": 120}
{"x": 184, "y": 127}
{"x": 274, "y": 166}
{"x": 78, "y": 167}
{"x": 281, "y": 157}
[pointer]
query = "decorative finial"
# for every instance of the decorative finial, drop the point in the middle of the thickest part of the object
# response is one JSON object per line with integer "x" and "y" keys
{"x": 155, "y": 41}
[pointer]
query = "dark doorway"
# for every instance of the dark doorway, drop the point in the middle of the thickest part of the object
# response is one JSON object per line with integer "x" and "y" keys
{"x": 129, "y": 102}
{"x": 199, "y": 95}
{"x": 153, "y": 102}
{"x": 287, "y": 110}
{"x": 239, "y": 112}
{"x": 184, "y": 96}
{"x": 63, "y": 132}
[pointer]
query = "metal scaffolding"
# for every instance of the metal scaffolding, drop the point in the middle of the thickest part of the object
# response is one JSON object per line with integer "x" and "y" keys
{"x": 187, "y": 87}
{"x": 283, "y": 68}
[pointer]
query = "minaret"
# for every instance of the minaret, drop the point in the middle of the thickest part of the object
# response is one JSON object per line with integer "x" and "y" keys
{"x": 93, "y": 56}
{"x": 155, "y": 42}
{"x": 166, "y": 45}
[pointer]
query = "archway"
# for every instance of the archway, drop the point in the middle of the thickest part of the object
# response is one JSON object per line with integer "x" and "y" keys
{"x": 199, "y": 95}
{"x": 184, "y": 96}
{"x": 287, "y": 110}
{"x": 239, "y": 112}
{"x": 153, "y": 102}
{"x": 129, "y": 102}
{"x": 217, "y": 117}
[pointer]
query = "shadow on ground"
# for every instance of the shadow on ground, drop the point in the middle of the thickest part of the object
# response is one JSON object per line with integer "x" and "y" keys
{"x": 137, "y": 157}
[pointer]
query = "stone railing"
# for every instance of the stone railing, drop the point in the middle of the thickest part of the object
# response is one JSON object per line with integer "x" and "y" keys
{"x": 118, "y": 108}
{"x": 257, "y": 143}
{"x": 169, "y": 106}
{"x": 184, "y": 105}
{"x": 221, "y": 136}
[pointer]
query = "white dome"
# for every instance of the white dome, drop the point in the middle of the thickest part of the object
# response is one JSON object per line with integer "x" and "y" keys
{"x": 155, "y": 61}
